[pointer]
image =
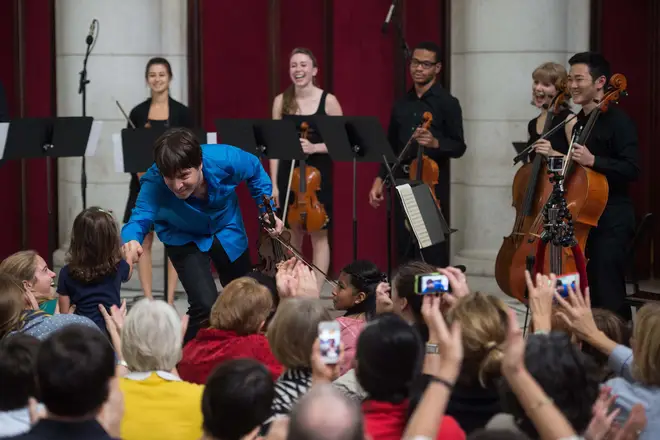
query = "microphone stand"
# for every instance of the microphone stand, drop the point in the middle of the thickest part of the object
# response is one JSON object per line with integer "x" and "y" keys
{"x": 82, "y": 90}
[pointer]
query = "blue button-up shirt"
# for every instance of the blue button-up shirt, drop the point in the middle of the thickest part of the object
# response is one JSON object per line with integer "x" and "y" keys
{"x": 178, "y": 222}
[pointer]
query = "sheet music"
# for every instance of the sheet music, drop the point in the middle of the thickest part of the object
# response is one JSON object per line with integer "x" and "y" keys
{"x": 414, "y": 215}
{"x": 93, "y": 140}
{"x": 4, "y": 131}
{"x": 118, "y": 152}
{"x": 212, "y": 138}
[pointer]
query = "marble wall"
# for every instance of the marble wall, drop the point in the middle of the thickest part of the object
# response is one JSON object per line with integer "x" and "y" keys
{"x": 130, "y": 33}
{"x": 495, "y": 47}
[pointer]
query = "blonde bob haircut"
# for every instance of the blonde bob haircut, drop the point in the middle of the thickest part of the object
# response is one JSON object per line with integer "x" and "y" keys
{"x": 646, "y": 345}
{"x": 551, "y": 73}
{"x": 293, "y": 330}
{"x": 151, "y": 338}
{"x": 242, "y": 307}
{"x": 484, "y": 324}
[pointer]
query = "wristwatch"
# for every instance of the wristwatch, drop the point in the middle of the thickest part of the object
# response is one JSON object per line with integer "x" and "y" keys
{"x": 432, "y": 348}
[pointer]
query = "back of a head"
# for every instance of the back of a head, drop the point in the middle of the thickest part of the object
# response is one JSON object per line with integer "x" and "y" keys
{"x": 237, "y": 399}
{"x": 151, "y": 337}
{"x": 293, "y": 330}
{"x": 18, "y": 357}
{"x": 74, "y": 369}
{"x": 176, "y": 150}
{"x": 12, "y": 303}
{"x": 646, "y": 345}
{"x": 569, "y": 377}
{"x": 324, "y": 413}
{"x": 596, "y": 62}
{"x": 389, "y": 358}
{"x": 484, "y": 322}
{"x": 243, "y": 307}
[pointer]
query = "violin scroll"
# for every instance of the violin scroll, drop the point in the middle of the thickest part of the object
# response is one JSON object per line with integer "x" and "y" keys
{"x": 561, "y": 99}
{"x": 428, "y": 119}
{"x": 304, "y": 130}
{"x": 617, "y": 87}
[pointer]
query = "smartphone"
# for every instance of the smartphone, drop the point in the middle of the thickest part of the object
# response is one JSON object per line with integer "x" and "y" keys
{"x": 563, "y": 281}
{"x": 329, "y": 340}
{"x": 431, "y": 283}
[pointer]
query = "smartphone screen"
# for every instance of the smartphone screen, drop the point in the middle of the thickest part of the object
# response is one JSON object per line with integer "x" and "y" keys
{"x": 431, "y": 283}
{"x": 571, "y": 279}
{"x": 329, "y": 340}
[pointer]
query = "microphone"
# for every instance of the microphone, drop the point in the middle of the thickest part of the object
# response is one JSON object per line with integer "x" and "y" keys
{"x": 90, "y": 37}
{"x": 388, "y": 17}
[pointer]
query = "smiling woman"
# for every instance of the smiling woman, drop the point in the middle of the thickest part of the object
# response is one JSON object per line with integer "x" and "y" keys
{"x": 159, "y": 111}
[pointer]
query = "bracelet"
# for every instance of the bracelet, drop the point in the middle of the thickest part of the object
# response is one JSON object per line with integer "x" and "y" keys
{"x": 122, "y": 363}
{"x": 442, "y": 381}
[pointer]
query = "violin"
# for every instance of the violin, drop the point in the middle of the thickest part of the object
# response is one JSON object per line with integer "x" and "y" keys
{"x": 268, "y": 222}
{"x": 525, "y": 197}
{"x": 271, "y": 251}
{"x": 306, "y": 211}
{"x": 585, "y": 192}
{"x": 429, "y": 171}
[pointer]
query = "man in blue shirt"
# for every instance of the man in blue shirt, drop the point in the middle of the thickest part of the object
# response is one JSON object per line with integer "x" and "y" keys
{"x": 189, "y": 196}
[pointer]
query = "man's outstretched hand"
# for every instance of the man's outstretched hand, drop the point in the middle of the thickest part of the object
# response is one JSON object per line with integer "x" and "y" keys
{"x": 132, "y": 251}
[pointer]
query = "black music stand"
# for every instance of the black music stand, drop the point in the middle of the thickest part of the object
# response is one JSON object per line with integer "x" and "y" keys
{"x": 33, "y": 138}
{"x": 137, "y": 148}
{"x": 265, "y": 138}
{"x": 355, "y": 139}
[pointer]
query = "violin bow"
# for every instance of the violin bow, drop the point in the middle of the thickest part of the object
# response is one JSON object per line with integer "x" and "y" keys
{"x": 124, "y": 113}
{"x": 269, "y": 214}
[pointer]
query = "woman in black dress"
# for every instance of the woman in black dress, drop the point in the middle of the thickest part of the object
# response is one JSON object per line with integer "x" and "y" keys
{"x": 160, "y": 110}
{"x": 299, "y": 101}
{"x": 547, "y": 80}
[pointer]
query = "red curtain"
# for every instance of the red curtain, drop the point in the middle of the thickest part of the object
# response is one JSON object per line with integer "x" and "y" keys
{"x": 356, "y": 64}
{"x": 39, "y": 80}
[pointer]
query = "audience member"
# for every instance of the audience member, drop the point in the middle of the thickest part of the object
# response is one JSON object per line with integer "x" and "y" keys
{"x": 15, "y": 316}
{"x": 237, "y": 322}
{"x": 18, "y": 357}
{"x": 236, "y": 400}
{"x": 75, "y": 372}
{"x": 158, "y": 403}
{"x": 96, "y": 267}
{"x": 325, "y": 414}
{"x": 35, "y": 277}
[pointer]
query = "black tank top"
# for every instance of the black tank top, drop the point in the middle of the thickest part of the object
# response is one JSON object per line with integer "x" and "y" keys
{"x": 557, "y": 139}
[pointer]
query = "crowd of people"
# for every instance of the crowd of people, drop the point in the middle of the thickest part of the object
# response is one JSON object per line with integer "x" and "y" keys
{"x": 450, "y": 366}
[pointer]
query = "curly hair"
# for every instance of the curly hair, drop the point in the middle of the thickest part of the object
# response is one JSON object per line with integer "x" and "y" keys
{"x": 95, "y": 249}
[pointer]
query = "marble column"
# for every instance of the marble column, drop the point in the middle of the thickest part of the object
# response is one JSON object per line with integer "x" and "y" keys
{"x": 495, "y": 47}
{"x": 130, "y": 33}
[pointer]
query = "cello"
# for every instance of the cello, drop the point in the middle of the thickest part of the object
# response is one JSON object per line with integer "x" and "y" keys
{"x": 585, "y": 193}
{"x": 429, "y": 171}
{"x": 525, "y": 197}
{"x": 306, "y": 211}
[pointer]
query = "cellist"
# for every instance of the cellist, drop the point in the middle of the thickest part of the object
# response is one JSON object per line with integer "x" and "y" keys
{"x": 612, "y": 150}
{"x": 547, "y": 80}
{"x": 444, "y": 140}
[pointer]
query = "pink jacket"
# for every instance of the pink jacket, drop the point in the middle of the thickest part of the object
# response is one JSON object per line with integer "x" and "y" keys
{"x": 350, "y": 330}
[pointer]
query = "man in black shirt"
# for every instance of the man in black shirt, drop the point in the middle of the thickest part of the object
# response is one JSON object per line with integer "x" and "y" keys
{"x": 612, "y": 150}
{"x": 444, "y": 140}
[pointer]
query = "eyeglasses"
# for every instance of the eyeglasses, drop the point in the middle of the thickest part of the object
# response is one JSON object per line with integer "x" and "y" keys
{"x": 425, "y": 64}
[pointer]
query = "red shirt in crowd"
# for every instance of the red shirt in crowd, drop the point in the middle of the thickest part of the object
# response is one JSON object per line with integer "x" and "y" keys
{"x": 387, "y": 421}
{"x": 211, "y": 347}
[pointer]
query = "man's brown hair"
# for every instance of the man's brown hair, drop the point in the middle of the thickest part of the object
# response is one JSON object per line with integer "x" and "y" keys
{"x": 176, "y": 150}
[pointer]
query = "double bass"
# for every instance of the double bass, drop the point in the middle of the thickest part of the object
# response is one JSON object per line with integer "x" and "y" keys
{"x": 306, "y": 211}
{"x": 526, "y": 198}
{"x": 586, "y": 194}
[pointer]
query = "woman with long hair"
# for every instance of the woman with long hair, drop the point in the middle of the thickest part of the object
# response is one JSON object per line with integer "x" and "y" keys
{"x": 302, "y": 99}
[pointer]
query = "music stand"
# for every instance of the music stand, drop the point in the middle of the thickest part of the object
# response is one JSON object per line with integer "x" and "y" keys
{"x": 355, "y": 139}
{"x": 265, "y": 138}
{"x": 134, "y": 153}
{"x": 34, "y": 138}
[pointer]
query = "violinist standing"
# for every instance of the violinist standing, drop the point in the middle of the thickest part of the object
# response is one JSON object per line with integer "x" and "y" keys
{"x": 300, "y": 100}
{"x": 612, "y": 150}
{"x": 444, "y": 140}
{"x": 547, "y": 80}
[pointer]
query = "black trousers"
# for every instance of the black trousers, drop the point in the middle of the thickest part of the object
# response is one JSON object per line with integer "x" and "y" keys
{"x": 606, "y": 251}
{"x": 194, "y": 269}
